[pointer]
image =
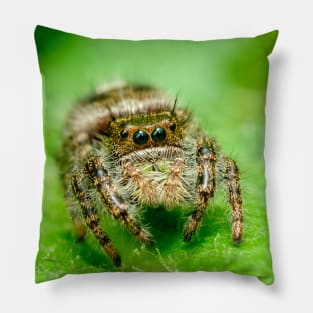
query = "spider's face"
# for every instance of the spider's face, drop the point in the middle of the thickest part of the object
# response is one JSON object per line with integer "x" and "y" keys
{"x": 145, "y": 131}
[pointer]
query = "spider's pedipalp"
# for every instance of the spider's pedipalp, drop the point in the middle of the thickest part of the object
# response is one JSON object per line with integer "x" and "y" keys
{"x": 206, "y": 159}
{"x": 115, "y": 203}
{"x": 143, "y": 188}
{"x": 92, "y": 219}
{"x": 173, "y": 191}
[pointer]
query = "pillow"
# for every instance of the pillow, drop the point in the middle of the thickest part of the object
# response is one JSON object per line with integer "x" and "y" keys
{"x": 154, "y": 155}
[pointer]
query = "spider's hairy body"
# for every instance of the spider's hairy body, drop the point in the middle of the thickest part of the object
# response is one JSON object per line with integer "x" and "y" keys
{"x": 129, "y": 147}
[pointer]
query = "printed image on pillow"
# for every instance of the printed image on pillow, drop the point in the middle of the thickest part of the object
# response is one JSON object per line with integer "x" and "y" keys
{"x": 154, "y": 155}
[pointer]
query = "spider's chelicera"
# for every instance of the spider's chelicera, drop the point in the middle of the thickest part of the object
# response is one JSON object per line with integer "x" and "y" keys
{"x": 130, "y": 147}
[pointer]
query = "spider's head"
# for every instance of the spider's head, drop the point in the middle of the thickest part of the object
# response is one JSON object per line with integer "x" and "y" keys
{"x": 137, "y": 132}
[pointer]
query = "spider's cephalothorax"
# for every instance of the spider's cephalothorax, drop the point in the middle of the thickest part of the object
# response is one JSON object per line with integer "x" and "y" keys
{"x": 130, "y": 146}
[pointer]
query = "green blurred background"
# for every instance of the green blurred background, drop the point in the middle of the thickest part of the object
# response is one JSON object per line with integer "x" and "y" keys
{"x": 223, "y": 82}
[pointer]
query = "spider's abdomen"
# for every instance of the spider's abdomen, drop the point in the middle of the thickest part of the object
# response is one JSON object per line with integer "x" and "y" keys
{"x": 95, "y": 114}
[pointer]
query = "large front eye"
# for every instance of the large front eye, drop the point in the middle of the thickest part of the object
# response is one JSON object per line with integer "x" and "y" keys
{"x": 158, "y": 134}
{"x": 140, "y": 137}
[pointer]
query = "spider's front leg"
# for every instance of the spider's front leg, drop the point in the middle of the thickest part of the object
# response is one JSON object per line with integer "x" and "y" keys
{"x": 206, "y": 159}
{"x": 91, "y": 217}
{"x": 232, "y": 182}
{"x": 80, "y": 228}
{"x": 115, "y": 204}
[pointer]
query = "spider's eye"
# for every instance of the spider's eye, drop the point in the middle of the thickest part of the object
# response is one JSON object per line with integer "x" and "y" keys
{"x": 124, "y": 133}
{"x": 140, "y": 137}
{"x": 158, "y": 134}
{"x": 172, "y": 126}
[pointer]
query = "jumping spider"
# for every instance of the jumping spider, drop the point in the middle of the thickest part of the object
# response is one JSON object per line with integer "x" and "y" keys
{"x": 130, "y": 146}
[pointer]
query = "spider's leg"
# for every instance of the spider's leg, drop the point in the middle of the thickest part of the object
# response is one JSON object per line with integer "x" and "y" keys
{"x": 91, "y": 217}
{"x": 80, "y": 228}
{"x": 115, "y": 204}
{"x": 232, "y": 182}
{"x": 206, "y": 159}
{"x": 81, "y": 146}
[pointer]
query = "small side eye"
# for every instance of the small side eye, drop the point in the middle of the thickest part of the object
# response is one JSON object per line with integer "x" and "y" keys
{"x": 124, "y": 133}
{"x": 172, "y": 126}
